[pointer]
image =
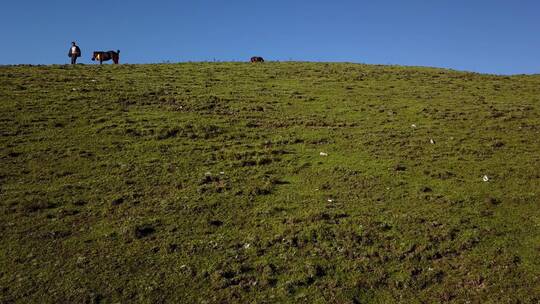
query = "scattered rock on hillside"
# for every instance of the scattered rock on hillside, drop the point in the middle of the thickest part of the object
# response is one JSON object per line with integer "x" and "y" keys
{"x": 144, "y": 230}
{"x": 492, "y": 201}
{"x": 80, "y": 202}
{"x": 443, "y": 175}
{"x": 426, "y": 189}
{"x": 14, "y": 154}
{"x": 208, "y": 178}
{"x": 117, "y": 201}
{"x": 172, "y": 247}
{"x": 216, "y": 223}
{"x": 400, "y": 167}
{"x": 498, "y": 144}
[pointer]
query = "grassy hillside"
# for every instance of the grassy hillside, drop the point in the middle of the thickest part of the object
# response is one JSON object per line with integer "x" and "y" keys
{"x": 268, "y": 183}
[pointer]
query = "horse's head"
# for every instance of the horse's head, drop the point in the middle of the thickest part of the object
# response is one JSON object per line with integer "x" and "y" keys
{"x": 95, "y": 56}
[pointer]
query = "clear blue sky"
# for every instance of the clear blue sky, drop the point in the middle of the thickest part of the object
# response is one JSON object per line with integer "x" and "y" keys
{"x": 490, "y": 36}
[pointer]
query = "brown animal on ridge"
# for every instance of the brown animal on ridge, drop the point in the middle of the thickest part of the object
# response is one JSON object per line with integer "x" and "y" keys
{"x": 257, "y": 59}
{"x": 104, "y": 56}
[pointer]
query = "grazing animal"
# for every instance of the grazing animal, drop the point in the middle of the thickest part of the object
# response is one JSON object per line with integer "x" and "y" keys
{"x": 257, "y": 59}
{"x": 104, "y": 56}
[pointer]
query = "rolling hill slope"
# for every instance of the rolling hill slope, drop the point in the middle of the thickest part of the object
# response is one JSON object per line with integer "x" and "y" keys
{"x": 268, "y": 183}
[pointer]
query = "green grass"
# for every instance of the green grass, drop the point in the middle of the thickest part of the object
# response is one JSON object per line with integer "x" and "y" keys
{"x": 204, "y": 183}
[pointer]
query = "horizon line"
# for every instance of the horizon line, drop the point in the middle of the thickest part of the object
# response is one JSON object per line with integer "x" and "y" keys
{"x": 272, "y": 61}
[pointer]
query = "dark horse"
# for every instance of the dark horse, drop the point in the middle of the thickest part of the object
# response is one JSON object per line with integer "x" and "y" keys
{"x": 257, "y": 59}
{"x": 104, "y": 56}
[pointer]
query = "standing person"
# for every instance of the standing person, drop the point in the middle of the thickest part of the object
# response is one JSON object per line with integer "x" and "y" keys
{"x": 74, "y": 52}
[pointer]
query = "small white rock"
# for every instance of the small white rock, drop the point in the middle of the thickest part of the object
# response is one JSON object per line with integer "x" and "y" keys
{"x": 431, "y": 141}
{"x": 323, "y": 154}
{"x": 330, "y": 200}
{"x": 485, "y": 178}
{"x": 221, "y": 172}
{"x": 413, "y": 125}
{"x": 247, "y": 245}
